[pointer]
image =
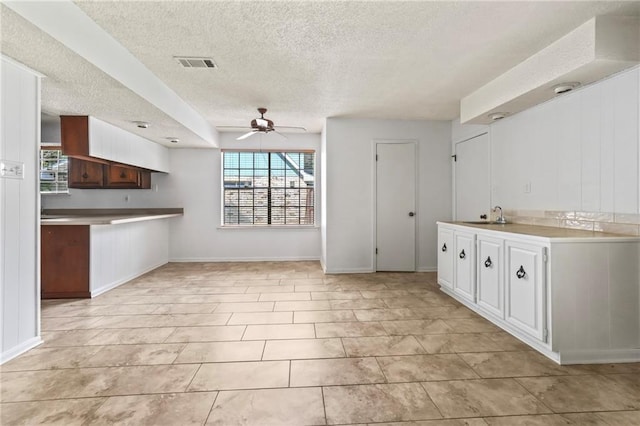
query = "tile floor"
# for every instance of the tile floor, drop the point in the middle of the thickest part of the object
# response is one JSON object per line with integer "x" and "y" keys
{"x": 282, "y": 344}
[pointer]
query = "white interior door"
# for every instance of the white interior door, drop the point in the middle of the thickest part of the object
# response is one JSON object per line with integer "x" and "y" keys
{"x": 395, "y": 206}
{"x": 473, "y": 179}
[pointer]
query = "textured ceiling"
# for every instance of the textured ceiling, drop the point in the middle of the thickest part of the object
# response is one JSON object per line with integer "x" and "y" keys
{"x": 304, "y": 61}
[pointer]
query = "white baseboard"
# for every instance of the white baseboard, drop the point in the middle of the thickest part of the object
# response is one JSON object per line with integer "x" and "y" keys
{"x": 428, "y": 269}
{"x": 244, "y": 259}
{"x": 20, "y": 349}
{"x": 114, "y": 284}
{"x": 599, "y": 356}
{"x": 349, "y": 271}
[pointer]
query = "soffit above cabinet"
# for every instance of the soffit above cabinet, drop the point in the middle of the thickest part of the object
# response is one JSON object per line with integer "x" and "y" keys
{"x": 598, "y": 48}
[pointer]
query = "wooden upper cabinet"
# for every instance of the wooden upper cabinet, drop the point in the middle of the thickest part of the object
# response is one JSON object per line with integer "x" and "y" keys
{"x": 85, "y": 174}
{"x": 122, "y": 177}
{"x": 75, "y": 135}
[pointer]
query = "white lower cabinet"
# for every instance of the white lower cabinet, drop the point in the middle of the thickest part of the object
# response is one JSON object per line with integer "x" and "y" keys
{"x": 464, "y": 259}
{"x": 572, "y": 295}
{"x": 490, "y": 284}
{"x": 525, "y": 288}
{"x": 445, "y": 257}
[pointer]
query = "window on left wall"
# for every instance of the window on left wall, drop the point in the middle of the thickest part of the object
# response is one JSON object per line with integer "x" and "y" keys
{"x": 54, "y": 171}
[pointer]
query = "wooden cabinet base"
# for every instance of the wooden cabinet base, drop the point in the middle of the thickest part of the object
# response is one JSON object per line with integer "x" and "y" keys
{"x": 65, "y": 262}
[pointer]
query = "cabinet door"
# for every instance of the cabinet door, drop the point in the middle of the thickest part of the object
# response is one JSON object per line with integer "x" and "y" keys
{"x": 85, "y": 174}
{"x": 64, "y": 261}
{"x": 123, "y": 177}
{"x": 525, "y": 288}
{"x": 445, "y": 257}
{"x": 464, "y": 258}
{"x": 489, "y": 276}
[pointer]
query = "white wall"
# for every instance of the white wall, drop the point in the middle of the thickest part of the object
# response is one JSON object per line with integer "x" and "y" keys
{"x": 195, "y": 184}
{"x": 349, "y": 188}
{"x": 19, "y": 221}
{"x": 579, "y": 151}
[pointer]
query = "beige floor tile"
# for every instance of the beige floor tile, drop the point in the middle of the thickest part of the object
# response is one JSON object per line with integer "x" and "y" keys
{"x": 421, "y": 368}
{"x": 508, "y": 343}
{"x": 68, "y": 338}
{"x": 271, "y": 289}
{"x": 293, "y": 407}
{"x": 444, "y": 422}
{"x": 444, "y": 312}
{"x": 216, "y": 333}
{"x": 472, "y": 325}
{"x": 514, "y": 364}
{"x": 279, "y": 331}
{"x": 171, "y": 320}
{"x": 128, "y": 336}
{"x": 381, "y": 346}
{"x": 245, "y": 307}
{"x": 64, "y": 412}
{"x": 303, "y": 349}
{"x": 276, "y": 297}
{"x": 314, "y": 305}
{"x": 318, "y": 288}
{"x": 626, "y": 368}
{"x": 384, "y": 314}
{"x": 322, "y": 316}
{"x": 69, "y": 323}
{"x": 186, "y": 308}
{"x": 485, "y": 397}
{"x": 416, "y": 327}
{"x": 221, "y": 352}
{"x": 261, "y": 318}
{"x": 188, "y": 409}
{"x": 586, "y": 393}
{"x": 91, "y": 382}
{"x": 52, "y": 358}
{"x": 407, "y": 302}
{"x": 349, "y": 329}
{"x": 241, "y": 375}
{"x": 357, "y": 304}
{"x": 614, "y": 418}
{"x": 538, "y": 420}
{"x": 378, "y": 403}
{"x": 302, "y": 281}
{"x": 124, "y": 355}
{"x": 385, "y": 294}
{"x": 458, "y": 343}
{"x": 332, "y": 295}
{"x": 343, "y": 371}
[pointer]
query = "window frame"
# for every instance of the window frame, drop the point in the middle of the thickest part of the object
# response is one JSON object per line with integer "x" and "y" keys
{"x": 52, "y": 147}
{"x": 313, "y": 225}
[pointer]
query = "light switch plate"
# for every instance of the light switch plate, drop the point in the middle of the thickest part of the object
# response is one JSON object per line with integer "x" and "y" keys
{"x": 11, "y": 169}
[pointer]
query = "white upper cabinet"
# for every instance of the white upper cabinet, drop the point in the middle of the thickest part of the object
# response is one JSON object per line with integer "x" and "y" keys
{"x": 111, "y": 143}
{"x": 579, "y": 151}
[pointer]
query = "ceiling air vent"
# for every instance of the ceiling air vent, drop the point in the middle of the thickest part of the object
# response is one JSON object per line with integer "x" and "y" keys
{"x": 189, "y": 62}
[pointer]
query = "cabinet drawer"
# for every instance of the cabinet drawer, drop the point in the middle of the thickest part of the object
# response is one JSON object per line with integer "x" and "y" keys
{"x": 525, "y": 288}
{"x": 489, "y": 282}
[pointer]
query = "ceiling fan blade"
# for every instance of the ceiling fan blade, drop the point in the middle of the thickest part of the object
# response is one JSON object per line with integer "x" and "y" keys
{"x": 234, "y": 127}
{"x": 246, "y": 135}
{"x": 277, "y": 132}
{"x": 291, "y": 127}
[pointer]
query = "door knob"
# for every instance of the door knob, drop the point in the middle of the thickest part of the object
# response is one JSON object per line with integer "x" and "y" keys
{"x": 483, "y": 216}
{"x": 412, "y": 214}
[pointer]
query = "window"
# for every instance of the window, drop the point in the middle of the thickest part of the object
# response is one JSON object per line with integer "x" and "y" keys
{"x": 268, "y": 188}
{"x": 54, "y": 167}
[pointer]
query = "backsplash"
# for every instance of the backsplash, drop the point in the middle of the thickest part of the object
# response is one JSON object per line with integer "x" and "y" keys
{"x": 615, "y": 223}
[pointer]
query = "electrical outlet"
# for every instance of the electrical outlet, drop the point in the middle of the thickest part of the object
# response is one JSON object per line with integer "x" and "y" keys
{"x": 11, "y": 169}
{"x": 527, "y": 187}
{"x": 126, "y": 198}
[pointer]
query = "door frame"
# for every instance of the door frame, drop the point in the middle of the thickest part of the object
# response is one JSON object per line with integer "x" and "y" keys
{"x": 454, "y": 173}
{"x": 374, "y": 197}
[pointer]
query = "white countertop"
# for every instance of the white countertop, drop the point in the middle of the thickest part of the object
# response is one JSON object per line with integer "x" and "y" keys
{"x": 101, "y": 220}
{"x": 547, "y": 232}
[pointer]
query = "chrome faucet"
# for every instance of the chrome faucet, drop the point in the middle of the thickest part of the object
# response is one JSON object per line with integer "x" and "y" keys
{"x": 500, "y": 219}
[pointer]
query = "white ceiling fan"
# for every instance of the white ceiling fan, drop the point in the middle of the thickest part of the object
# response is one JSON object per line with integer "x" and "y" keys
{"x": 263, "y": 125}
